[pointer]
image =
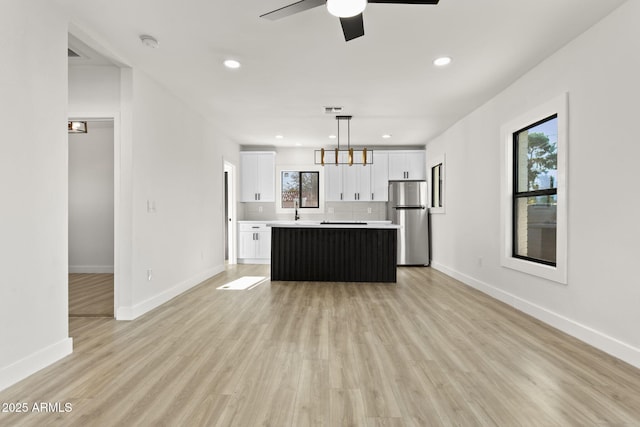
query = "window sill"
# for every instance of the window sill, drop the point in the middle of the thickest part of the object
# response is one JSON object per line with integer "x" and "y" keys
{"x": 555, "y": 274}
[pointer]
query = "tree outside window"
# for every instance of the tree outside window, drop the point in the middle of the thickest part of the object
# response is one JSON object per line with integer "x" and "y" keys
{"x": 303, "y": 187}
{"x": 535, "y": 191}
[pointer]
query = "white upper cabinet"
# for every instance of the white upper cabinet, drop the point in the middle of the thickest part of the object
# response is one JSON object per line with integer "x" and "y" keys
{"x": 257, "y": 176}
{"x": 407, "y": 165}
{"x": 380, "y": 176}
{"x": 356, "y": 183}
{"x": 333, "y": 182}
{"x": 344, "y": 183}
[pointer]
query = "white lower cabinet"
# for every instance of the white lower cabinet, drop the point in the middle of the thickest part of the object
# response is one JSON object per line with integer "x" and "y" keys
{"x": 254, "y": 243}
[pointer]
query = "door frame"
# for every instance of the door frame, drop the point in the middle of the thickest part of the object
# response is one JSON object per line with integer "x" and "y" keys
{"x": 231, "y": 220}
{"x": 117, "y": 220}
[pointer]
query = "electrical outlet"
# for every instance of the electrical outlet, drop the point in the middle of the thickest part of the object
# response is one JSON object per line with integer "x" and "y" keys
{"x": 260, "y": 209}
{"x": 368, "y": 210}
{"x": 149, "y": 274}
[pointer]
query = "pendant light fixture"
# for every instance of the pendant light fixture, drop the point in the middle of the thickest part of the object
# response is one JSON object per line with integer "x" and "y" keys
{"x": 344, "y": 157}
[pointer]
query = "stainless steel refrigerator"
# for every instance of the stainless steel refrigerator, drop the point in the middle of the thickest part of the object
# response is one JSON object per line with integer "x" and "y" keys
{"x": 407, "y": 207}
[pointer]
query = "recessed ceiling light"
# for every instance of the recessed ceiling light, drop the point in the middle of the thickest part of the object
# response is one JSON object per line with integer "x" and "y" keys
{"x": 332, "y": 137}
{"x": 149, "y": 41}
{"x": 278, "y": 136}
{"x": 442, "y": 61}
{"x": 231, "y": 63}
{"x": 298, "y": 144}
{"x": 386, "y": 136}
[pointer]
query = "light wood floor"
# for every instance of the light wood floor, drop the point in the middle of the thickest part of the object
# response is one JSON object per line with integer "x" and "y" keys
{"x": 90, "y": 295}
{"x": 425, "y": 352}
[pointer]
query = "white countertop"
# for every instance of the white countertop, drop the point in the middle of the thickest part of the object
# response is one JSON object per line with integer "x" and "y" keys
{"x": 334, "y": 224}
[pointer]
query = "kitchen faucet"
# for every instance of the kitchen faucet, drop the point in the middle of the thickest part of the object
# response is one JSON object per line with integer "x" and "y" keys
{"x": 295, "y": 207}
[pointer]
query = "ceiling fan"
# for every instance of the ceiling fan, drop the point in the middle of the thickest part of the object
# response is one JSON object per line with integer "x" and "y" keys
{"x": 349, "y": 12}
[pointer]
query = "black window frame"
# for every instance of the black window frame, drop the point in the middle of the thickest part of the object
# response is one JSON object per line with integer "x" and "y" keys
{"x": 525, "y": 194}
{"x": 317, "y": 173}
{"x": 436, "y": 184}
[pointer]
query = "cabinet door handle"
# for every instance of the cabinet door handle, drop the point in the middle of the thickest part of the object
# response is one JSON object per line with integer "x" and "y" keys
{"x": 372, "y": 196}
{"x": 340, "y": 196}
{"x": 258, "y": 196}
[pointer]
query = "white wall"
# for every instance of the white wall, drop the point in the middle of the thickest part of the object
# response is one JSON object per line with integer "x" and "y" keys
{"x": 177, "y": 197}
{"x": 600, "y": 304}
{"x": 33, "y": 185}
{"x": 168, "y": 157}
{"x": 91, "y": 199}
{"x": 94, "y": 89}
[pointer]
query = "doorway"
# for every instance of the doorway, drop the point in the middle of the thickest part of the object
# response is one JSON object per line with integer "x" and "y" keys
{"x": 91, "y": 219}
{"x": 229, "y": 213}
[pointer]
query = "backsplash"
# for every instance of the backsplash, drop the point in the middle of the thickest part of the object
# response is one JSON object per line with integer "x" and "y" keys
{"x": 333, "y": 211}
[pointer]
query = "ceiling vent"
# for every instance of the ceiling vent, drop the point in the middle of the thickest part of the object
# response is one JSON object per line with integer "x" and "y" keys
{"x": 332, "y": 110}
{"x": 72, "y": 54}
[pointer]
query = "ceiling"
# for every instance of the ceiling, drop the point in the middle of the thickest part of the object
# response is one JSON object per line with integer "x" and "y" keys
{"x": 293, "y": 67}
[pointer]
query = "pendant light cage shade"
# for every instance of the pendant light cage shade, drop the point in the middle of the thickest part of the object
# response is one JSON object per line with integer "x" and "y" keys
{"x": 350, "y": 156}
{"x": 346, "y": 8}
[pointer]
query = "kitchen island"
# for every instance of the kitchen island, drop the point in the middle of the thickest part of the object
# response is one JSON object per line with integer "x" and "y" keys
{"x": 333, "y": 251}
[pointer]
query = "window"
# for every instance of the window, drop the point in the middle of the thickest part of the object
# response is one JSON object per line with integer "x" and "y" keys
{"x": 436, "y": 183}
{"x": 534, "y": 191}
{"x": 300, "y": 187}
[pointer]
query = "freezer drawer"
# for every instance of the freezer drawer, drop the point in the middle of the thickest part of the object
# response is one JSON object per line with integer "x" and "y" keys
{"x": 413, "y": 235}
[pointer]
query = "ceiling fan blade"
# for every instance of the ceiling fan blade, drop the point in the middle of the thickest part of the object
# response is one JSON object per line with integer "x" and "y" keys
{"x": 405, "y": 1}
{"x": 352, "y": 27}
{"x": 293, "y": 8}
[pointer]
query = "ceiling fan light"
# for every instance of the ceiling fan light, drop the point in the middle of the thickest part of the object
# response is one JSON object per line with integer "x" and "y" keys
{"x": 346, "y": 8}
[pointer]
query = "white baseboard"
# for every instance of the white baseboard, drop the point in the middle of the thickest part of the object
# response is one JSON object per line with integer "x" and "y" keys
{"x": 597, "y": 339}
{"x": 91, "y": 269}
{"x": 135, "y": 311}
{"x": 31, "y": 364}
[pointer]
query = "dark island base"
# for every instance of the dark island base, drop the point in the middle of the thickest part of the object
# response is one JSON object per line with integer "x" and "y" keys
{"x": 333, "y": 254}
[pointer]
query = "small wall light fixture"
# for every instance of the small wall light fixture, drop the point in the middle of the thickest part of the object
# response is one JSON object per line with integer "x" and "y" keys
{"x": 77, "y": 127}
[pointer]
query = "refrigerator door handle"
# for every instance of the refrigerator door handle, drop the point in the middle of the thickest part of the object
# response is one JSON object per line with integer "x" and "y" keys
{"x": 409, "y": 207}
